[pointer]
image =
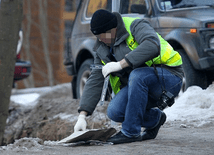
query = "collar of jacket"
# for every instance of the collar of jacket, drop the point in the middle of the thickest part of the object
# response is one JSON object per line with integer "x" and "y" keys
{"x": 121, "y": 34}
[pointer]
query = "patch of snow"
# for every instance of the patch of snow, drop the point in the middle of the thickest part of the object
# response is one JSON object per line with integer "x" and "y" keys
{"x": 41, "y": 90}
{"x": 65, "y": 116}
{"x": 195, "y": 105}
{"x": 51, "y": 143}
{"x": 24, "y": 144}
{"x": 25, "y": 99}
{"x": 29, "y": 96}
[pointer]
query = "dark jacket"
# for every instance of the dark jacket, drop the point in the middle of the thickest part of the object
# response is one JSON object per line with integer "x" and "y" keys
{"x": 149, "y": 47}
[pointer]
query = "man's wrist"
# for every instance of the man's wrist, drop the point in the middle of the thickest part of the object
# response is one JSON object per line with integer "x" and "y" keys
{"x": 123, "y": 63}
{"x": 83, "y": 113}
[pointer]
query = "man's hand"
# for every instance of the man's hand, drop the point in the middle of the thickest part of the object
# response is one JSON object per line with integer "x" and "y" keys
{"x": 81, "y": 123}
{"x": 111, "y": 67}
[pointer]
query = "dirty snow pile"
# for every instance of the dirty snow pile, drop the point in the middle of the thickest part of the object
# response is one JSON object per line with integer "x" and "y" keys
{"x": 29, "y": 96}
{"x": 24, "y": 144}
{"x": 195, "y": 106}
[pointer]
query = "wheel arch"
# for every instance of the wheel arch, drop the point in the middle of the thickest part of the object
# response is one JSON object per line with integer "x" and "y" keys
{"x": 180, "y": 40}
{"x": 83, "y": 55}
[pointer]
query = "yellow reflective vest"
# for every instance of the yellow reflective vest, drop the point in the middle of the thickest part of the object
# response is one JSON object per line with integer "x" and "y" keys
{"x": 167, "y": 55}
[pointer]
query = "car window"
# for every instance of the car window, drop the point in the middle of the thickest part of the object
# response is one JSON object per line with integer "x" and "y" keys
{"x": 133, "y": 6}
{"x": 98, "y": 4}
{"x": 174, "y": 4}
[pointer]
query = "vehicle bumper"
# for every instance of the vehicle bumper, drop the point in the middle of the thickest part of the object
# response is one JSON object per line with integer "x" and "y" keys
{"x": 70, "y": 69}
{"x": 22, "y": 70}
{"x": 207, "y": 63}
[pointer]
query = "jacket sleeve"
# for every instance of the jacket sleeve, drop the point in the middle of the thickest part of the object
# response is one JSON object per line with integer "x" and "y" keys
{"x": 92, "y": 90}
{"x": 149, "y": 44}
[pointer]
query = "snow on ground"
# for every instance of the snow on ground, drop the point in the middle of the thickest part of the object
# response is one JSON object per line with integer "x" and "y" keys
{"x": 24, "y": 144}
{"x": 194, "y": 105}
{"x": 40, "y": 90}
{"x": 28, "y": 97}
{"x": 25, "y": 99}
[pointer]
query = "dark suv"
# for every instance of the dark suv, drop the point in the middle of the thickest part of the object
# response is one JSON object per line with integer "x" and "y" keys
{"x": 187, "y": 25}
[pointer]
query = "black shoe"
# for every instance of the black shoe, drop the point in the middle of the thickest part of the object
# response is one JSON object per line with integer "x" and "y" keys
{"x": 152, "y": 133}
{"x": 120, "y": 138}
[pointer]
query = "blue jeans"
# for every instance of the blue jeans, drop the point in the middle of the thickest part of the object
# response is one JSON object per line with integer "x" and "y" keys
{"x": 135, "y": 104}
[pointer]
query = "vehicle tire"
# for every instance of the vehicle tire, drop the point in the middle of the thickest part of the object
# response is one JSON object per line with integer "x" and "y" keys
{"x": 210, "y": 76}
{"x": 192, "y": 76}
{"x": 82, "y": 76}
{"x": 74, "y": 87}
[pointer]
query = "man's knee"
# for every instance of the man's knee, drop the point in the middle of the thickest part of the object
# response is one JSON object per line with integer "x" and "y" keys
{"x": 114, "y": 115}
{"x": 111, "y": 113}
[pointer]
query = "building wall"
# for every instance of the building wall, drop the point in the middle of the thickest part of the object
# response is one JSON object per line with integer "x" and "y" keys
{"x": 33, "y": 48}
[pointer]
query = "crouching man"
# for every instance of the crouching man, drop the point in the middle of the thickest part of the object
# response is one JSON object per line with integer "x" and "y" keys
{"x": 141, "y": 65}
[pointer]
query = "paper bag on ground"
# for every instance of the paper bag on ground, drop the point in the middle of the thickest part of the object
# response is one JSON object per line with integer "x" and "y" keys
{"x": 94, "y": 134}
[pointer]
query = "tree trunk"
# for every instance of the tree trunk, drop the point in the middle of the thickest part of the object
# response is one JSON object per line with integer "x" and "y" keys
{"x": 11, "y": 18}
{"x": 28, "y": 82}
{"x": 44, "y": 32}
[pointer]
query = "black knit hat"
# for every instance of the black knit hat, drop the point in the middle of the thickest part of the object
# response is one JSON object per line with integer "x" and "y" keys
{"x": 102, "y": 21}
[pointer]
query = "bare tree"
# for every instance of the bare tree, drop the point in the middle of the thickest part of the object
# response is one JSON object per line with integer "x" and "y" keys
{"x": 11, "y": 18}
{"x": 45, "y": 39}
{"x": 28, "y": 82}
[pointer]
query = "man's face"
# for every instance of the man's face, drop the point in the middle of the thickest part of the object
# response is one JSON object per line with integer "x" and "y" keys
{"x": 109, "y": 37}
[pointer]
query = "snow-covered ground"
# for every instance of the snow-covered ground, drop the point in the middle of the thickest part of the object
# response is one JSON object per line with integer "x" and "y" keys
{"x": 29, "y": 96}
{"x": 195, "y": 106}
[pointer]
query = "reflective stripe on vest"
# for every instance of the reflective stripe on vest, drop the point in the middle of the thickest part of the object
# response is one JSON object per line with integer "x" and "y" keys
{"x": 168, "y": 56}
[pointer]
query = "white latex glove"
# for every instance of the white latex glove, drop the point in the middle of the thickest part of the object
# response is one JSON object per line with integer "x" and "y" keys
{"x": 111, "y": 67}
{"x": 80, "y": 124}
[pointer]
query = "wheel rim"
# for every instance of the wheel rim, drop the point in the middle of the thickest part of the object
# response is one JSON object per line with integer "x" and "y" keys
{"x": 83, "y": 80}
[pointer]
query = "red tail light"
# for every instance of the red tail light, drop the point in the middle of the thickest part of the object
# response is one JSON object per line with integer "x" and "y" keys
{"x": 18, "y": 56}
{"x": 24, "y": 70}
{"x": 18, "y": 70}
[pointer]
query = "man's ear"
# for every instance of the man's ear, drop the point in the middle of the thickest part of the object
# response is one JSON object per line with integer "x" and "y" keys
{"x": 114, "y": 32}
